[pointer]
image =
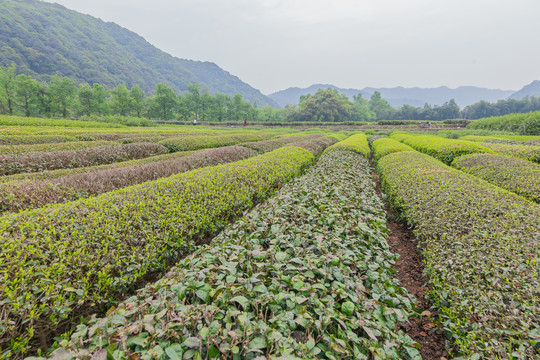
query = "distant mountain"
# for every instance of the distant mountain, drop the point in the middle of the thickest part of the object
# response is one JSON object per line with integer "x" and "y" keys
{"x": 398, "y": 96}
{"x": 533, "y": 89}
{"x": 45, "y": 39}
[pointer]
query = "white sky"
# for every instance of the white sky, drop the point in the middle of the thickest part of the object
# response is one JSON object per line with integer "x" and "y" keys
{"x": 275, "y": 44}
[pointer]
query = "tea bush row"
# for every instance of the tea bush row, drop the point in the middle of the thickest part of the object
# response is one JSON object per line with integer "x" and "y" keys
{"x": 25, "y": 195}
{"x": 45, "y": 147}
{"x": 516, "y": 175}
{"x": 307, "y": 275}
{"x": 446, "y": 150}
{"x": 525, "y": 152}
{"x": 75, "y": 258}
{"x": 195, "y": 142}
{"x": 357, "y": 143}
{"x": 481, "y": 246}
{"x": 40, "y": 161}
{"x": 384, "y": 146}
{"x": 34, "y": 139}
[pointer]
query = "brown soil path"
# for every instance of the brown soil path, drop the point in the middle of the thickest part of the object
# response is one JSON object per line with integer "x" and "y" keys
{"x": 410, "y": 272}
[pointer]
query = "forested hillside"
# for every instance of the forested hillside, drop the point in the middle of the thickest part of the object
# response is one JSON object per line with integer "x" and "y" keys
{"x": 44, "y": 39}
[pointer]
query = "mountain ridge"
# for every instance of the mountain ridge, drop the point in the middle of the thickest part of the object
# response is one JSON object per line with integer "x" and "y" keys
{"x": 44, "y": 39}
{"x": 398, "y": 96}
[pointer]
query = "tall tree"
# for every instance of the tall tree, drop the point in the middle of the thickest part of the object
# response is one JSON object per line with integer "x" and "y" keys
{"x": 86, "y": 100}
{"x": 26, "y": 93}
{"x": 138, "y": 99}
{"x": 380, "y": 107}
{"x": 7, "y": 88}
{"x": 100, "y": 94}
{"x": 165, "y": 101}
{"x": 361, "y": 110}
{"x": 62, "y": 92}
{"x": 121, "y": 101}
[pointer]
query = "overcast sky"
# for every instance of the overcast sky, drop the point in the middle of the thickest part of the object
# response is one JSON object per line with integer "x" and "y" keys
{"x": 276, "y": 44}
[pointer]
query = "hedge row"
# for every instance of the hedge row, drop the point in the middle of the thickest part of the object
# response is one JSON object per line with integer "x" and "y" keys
{"x": 357, "y": 143}
{"x": 306, "y": 275}
{"x": 69, "y": 259}
{"x": 30, "y": 121}
{"x": 53, "y": 174}
{"x": 525, "y": 152}
{"x": 384, "y": 146}
{"x": 446, "y": 150}
{"x": 523, "y": 124}
{"x": 34, "y": 139}
{"x": 316, "y": 145}
{"x": 516, "y": 175}
{"x": 186, "y": 143}
{"x": 25, "y": 195}
{"x": 35, "y": 148}
{"x": 36, "y": 162}
{"x": 481, "y": 254}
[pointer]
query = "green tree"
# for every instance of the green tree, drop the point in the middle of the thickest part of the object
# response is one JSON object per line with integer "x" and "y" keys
{"x": 193, "y": 100}
{"x": 26, "y": 93}
{"x": 138, "y": 99}
{"x": 121, "y": 101}
{"x": 86, "y": 100}
{"x": 324, "y": 106}
{"x": 100, "y": 94}
{"x": 7, "y": 88}
{"x": 380, "y": 107}
{"x": 361, "y": 110}
{"x": 165, "y": 101}
{"x": 62, "y": 92}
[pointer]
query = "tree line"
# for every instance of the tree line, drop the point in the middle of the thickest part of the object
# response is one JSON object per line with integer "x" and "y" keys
{"x": 329, "y": 105}
{"x": 63, "y": 97}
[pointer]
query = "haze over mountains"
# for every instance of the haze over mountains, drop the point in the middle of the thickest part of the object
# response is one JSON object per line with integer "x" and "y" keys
{"x": 45, "y": 39}
{"x": 398, "y": 96}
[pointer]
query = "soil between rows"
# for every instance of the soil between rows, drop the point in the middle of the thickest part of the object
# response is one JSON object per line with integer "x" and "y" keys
{"x": 410, "y": 272}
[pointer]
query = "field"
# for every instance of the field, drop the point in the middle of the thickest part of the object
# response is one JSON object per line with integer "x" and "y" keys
{"x": 189, "y": 242}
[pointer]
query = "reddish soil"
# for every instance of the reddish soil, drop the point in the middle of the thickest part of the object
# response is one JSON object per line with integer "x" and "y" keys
{"x": 410, "y": 272}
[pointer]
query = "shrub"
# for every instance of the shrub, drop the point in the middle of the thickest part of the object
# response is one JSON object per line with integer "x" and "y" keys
{"x": 195, "y": 142}
{"x": 523, "y": 124}
{"x": 35, "y": 148}
{"x": 525, "y": 152}
{"x": 481, "y": 253}
{"x": 444, "y": 149}
{"x": 357, "y": 143}
{"x": 516, "y": 175}
{"x": 18, "y": 196}
{"x": 385, "y": 146}
{"x": 33, "y": 139}
{"x": 35, "y": 162}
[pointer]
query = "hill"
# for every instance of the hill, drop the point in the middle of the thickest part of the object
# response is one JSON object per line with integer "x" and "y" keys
{"x": 532, "y": 89}
{"x": 45, "y": 39}
{"x": 398, "y": 96}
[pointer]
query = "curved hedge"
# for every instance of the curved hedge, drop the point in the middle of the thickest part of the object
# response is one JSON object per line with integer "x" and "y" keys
{"x": 72, "y": 258}
{"x": 34, "y": 139}
{"x": 25, "y": 195}
{"x": 357, "y": 143}
{"x": 519, "y": 176}
{"x": 44, "y": 147}
{"x": 36, "y": 162}
{"x": 195, "y": 142}
{"x": 446, "y": 150}
{"x": 525, "y": 152}
{"x": 384, "y": 146}
{"x": 523, "y": 124}
{"x": 481, "y": 253}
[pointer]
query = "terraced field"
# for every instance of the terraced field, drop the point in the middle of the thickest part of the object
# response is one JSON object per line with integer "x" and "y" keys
{"x": 195, "y": 243}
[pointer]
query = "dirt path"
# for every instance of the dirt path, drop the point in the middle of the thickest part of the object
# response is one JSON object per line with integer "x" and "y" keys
{"x": 410, "y": 272}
